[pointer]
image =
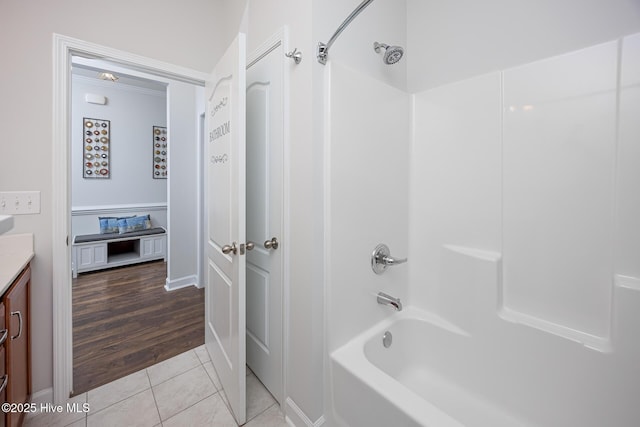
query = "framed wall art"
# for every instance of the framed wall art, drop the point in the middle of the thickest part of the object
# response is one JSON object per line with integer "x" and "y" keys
{"x": 160, "y": 152}
{"x": 96, "y": 135}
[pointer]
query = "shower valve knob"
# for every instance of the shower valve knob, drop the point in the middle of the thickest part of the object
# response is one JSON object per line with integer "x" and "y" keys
{"x": 381, "y": 259}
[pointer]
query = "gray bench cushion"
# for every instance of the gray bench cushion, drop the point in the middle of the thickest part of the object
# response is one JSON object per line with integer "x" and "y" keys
{"x": 99, "y": 237}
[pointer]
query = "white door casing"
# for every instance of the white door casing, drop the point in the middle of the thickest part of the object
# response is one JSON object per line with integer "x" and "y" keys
{"x": 225, "y": 292}
{"x": 64, "y": 48}
{"x": 265, "y": 148}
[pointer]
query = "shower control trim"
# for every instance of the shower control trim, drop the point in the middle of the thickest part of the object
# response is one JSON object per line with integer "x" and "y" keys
{"x": 381, "y": 259}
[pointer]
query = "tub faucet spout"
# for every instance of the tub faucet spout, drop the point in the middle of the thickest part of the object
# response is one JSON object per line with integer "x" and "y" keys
{"x": 385, "y": 299}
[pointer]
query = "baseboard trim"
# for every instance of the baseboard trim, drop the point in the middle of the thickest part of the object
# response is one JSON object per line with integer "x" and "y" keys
{"x": 183, "y": 282}
{"x": 42, "y": 396}
{"x": 296, "y": 416}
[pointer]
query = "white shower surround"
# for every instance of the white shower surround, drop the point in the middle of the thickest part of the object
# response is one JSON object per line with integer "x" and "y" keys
{"x": 555, "y": 349}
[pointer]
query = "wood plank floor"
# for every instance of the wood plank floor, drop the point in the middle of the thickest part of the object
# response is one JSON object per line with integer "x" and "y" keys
{"x": 124, "y": 321}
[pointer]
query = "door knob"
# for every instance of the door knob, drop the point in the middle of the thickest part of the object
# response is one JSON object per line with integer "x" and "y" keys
{"x": 246, "y": 247}
{"x": 272, "y": 244}
{"x": 226, "y": 249}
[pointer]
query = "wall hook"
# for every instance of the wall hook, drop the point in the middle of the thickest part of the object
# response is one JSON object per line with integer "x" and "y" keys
{"x": 295, "y": 55}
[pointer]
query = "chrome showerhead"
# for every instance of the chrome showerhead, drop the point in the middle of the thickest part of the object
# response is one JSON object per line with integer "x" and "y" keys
{"x": 392, "y": 54}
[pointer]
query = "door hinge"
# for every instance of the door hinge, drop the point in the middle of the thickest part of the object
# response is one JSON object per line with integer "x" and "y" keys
{"x": 67, "y": 240}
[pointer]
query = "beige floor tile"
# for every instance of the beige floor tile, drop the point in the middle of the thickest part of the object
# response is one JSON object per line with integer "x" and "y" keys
{"x": 225, "y": 400}
{"x": 137, "y": 411}
{"x": 182, "y": 391}
{"x": 272, "y": 417}
{"x": 258, "y": 397}
{"x": 202, "y": 354}
{"x": 118, "y": 390}
{"x": 79, "y": 423}
{"x": 212, "y": 374}
{"x": 175, "y": 366}
{"x": 208, "y": 412}
{"x": 57, "y": 419}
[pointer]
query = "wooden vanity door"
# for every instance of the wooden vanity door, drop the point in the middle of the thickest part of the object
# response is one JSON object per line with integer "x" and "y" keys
{"x": 17, "y": 317}
{"x": 3, "y": 361}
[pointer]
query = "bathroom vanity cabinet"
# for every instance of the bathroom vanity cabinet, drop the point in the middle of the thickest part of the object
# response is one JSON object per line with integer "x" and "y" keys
{"x": 15, "y": 347}
{"x": 4, "y": 378}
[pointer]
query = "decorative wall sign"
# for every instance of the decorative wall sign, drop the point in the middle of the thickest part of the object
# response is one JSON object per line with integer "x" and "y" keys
{"x": 160, "y": 150}
{"x": 96, "y": 136}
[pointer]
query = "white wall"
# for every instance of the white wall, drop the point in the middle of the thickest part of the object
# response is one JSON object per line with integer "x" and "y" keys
{"x": 454, "y": 40}
{"x": 627, "y": 236}
{"x": 366, "y": 198}
{"x": 568, "y": 123}
{"x": 304, "y": 400}
{"x": 185, "y": 106}
{"x": 455, "y": 181}
{"x": 133, "y": 112}
{"x": 529, "y": 173}
{"x": 559, "y": 150}
{"x": 188, "y": 39}
{"x": 384, "y": 22}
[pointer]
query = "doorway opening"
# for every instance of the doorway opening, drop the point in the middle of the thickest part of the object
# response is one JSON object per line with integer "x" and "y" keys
{"x": 181, "y": 83}
{"x": 65, "y": 49}
{"x": 120, "y": 145}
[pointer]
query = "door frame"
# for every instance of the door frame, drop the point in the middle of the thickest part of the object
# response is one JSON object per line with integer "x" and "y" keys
{"x": 64, "y": 48}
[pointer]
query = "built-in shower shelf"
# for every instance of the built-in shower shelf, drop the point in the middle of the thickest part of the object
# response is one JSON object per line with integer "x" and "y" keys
{"x": 601, "y": 344}
{"x": 628, "y": 282}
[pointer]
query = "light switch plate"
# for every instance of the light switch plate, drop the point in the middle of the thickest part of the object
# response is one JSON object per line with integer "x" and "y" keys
{"x": 19, "y": 202}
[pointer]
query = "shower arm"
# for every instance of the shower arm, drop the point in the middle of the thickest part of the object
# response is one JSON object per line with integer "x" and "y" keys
{"x": 323, "y": 49}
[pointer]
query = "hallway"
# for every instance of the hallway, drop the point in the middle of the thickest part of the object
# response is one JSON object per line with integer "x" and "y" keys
{"x": 124, "y": 321}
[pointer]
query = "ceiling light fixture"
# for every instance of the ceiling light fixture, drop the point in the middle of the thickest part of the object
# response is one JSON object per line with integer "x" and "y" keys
{"x": 107, "y": 76}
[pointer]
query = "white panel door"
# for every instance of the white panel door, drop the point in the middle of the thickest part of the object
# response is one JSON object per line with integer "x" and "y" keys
{"x": 225, "y": 297}
{"x": 265, "y": 135}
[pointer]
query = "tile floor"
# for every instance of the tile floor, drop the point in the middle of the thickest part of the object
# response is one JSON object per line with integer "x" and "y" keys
{"x": 182, "y": 391}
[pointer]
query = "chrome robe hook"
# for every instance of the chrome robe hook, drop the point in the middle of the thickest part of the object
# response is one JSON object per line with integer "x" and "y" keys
{"x": 295, "y": 55}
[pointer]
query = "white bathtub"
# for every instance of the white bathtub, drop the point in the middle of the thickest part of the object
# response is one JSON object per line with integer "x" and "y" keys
{"x": 417, "y": 381}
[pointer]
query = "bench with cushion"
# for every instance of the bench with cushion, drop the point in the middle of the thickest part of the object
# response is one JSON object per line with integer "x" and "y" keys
{"x": 98, "y": 251}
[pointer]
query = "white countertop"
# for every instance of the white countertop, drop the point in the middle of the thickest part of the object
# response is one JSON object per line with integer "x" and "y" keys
{"x": 16, "y": 250}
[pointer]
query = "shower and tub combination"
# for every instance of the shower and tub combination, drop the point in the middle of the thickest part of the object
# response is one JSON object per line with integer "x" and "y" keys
{"x": 500, "y": 317}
